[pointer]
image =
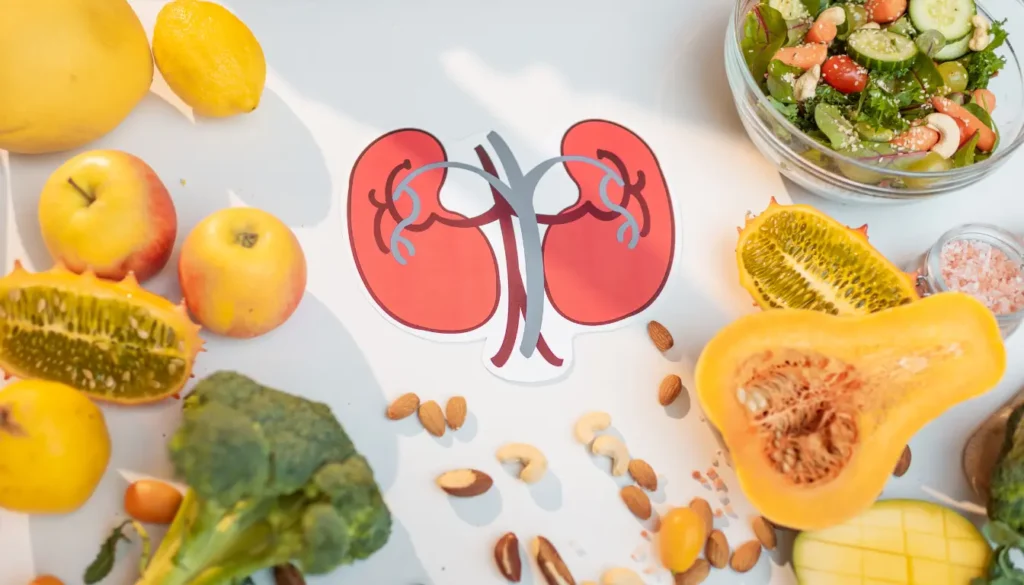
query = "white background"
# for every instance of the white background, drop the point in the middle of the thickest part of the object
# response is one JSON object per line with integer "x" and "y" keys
{"x": 343, "y": 73}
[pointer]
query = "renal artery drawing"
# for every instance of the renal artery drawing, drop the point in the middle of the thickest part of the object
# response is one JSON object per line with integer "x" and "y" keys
{"x": 434, "y": 271}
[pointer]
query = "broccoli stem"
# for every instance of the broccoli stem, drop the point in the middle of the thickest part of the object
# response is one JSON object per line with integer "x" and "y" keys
{"x": 209, "y": 545}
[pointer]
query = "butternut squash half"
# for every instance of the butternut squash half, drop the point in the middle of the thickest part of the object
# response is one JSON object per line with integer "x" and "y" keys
{"x": 815, "y": 409}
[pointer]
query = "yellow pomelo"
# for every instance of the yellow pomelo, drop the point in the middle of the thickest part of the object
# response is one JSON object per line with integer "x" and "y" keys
{"x": 72, "y": 71}
{"x": 54, "y": 447}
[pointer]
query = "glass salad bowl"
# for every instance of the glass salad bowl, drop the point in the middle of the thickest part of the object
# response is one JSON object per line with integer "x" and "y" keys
{"x": 833, "y": 175}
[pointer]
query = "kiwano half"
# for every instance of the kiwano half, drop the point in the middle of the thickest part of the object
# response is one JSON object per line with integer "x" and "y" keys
{"x": 795, "y": 257}
{"x": 114, "y": 341}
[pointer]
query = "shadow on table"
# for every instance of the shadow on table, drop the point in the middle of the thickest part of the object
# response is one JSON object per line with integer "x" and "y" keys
{"x": 263, "y": 159}
{"x": 381, "y": 63}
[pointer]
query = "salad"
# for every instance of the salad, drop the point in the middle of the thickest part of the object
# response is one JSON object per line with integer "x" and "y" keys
{"x": 900, "y": 83}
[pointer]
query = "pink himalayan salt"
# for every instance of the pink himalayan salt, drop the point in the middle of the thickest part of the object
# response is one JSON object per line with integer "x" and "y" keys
{"x": 984, "y": 272}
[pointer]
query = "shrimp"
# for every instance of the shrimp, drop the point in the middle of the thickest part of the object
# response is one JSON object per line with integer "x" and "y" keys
{"x": 917, "y": 139}
{"x": 984, "y": 98}
{"x": 803, "y": 56}
{"x": 883, "y": 11}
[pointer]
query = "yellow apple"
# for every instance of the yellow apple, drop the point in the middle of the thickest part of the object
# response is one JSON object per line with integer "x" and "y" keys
{"x": 108, "y": 211}
{"x": 242, "y": 272}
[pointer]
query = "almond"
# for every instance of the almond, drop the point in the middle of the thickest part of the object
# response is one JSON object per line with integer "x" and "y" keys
{"x": 904, "y": 463}
{"x": 288, "y": 575}
{"x": 746, "y": 556}
{"x": 660, "y": 336}
{"x": 403, "y": 406}
{"x": 703, "y": 509}
{"x": 637, "y": 501}
{"x": 717, "y": 550}
{"x": 670, "y": 389}
{"x": 550, "y": 563}
{"x": 455, "y": 412}
{"x": 764, "y": 532}
{"x": 695, "y": 575}
{"x": 643, "y": 474}
{"x": 506, "y": 555}
{"x": 465, "y": 483}
{"x": 432, "y": 418}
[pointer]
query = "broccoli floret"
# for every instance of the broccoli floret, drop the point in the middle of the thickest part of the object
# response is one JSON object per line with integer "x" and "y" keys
{"x": 273, "y": 479}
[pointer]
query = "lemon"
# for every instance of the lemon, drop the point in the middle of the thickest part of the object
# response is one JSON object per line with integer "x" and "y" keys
{"x": 72, "y": 71}
{"x": 209, "y": 58}
{"x": 54, "y": 447}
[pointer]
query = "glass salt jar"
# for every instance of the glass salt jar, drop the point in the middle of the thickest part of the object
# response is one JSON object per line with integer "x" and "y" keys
{"x": 982, "y": 260}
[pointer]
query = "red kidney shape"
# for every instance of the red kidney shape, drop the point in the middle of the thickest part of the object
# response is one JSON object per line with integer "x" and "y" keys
{"x": 450, "y": 284}
{"x": 591, "y": 277}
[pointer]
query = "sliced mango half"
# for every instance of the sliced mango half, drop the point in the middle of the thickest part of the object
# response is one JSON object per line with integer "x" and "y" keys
{"x": 901, "y": 542}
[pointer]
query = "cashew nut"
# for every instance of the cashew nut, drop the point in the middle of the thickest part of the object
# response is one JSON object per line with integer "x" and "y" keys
{"x": 981, "y": 38}
{"x": 535, "y": 464}
{"x": 806, "y": 85}
{"x": 836, "y": 15}
{"x": 619, "y": 576}
{"x": 611, "y": 447}
{"x": 949, "y": 134}
{"x": 870, "y": 26}
{"x": 589, "y": 424}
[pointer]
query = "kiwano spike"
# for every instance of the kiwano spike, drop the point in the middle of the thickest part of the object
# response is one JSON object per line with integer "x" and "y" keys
{"x": 6, "y": 375}
{"x": 130, "y": 280}
{"x": 774, "y": 202}
{"x": 862, "y": 229}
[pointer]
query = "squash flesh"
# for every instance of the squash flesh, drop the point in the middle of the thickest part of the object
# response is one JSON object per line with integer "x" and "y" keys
{"x": 893, "y": 542}
{"x": 866, "y": 384}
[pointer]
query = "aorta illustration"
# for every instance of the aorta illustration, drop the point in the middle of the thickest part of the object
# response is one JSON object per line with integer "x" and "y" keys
{"x": 432, "y": 269}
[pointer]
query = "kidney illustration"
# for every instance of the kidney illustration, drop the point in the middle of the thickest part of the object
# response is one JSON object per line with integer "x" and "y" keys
{"x": 435, "y": 272}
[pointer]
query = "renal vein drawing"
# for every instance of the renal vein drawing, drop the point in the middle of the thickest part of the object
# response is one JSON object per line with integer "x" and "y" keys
{"x": 432, "y": 269}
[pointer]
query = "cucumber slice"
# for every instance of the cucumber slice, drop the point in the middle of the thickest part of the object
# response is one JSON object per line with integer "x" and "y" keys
{"x": 952, "y": 18}
{"x": 881, "y": 49}
{"x": 954, "y": 49}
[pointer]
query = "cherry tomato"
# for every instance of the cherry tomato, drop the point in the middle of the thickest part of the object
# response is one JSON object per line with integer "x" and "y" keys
{"x": 844, "y": 74}
{"x": 152, "y": 502}
{"x": 681, "y": 539}
{"x": 46, "y": 580}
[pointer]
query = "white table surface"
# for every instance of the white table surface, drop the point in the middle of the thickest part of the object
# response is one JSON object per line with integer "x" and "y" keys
{"x": 343, "y": 73}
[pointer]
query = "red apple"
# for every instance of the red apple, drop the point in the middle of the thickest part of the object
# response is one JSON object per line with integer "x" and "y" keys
{"x": 108, "y": 211}
{"x": 242, "y": 272}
